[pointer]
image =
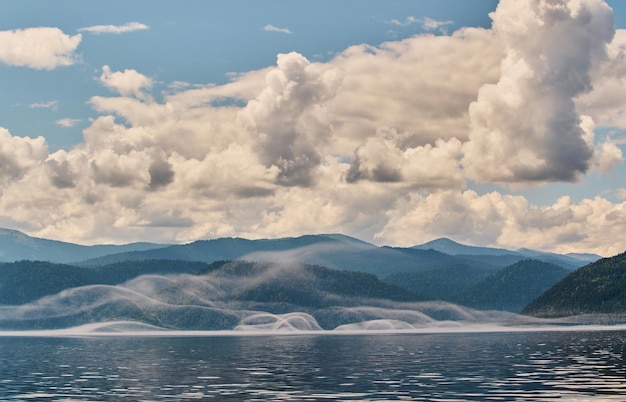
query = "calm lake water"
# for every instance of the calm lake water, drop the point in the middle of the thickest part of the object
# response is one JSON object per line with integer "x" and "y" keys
{"x": 581, "y": 366}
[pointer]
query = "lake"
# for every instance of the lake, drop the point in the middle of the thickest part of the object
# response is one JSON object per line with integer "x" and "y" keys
{"x": 572, "y": 365}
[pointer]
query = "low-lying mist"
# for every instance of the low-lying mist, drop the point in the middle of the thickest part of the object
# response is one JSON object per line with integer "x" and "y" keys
{"x": 251, "y": 298}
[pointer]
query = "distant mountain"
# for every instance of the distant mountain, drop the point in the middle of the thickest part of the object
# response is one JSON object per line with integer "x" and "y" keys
{"x": 513, "y": 287}
{"x": 599, "y": 287}
{"x": 585, "y": 257}
{"x": 570, "y": 261}
{"x": 451, "y": 247}
{"x": 15, "y": 246}
{"x": 333, "y": 251}
{"x": 301, "y": 248}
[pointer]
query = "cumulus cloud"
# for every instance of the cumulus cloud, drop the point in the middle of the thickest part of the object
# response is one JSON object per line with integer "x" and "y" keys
{"x": 127, "y": 83}
{"x": 384, "y": 159}
{"x": 289, "y": 118}
{"x": 605, "y": 103}
{"x": 18, "y": 155}
{"x": 41, "y": 48}
{"x": 114, "y": 29}
{"x": 526, "y": 126}
{"x": 272, "y": 28}
{"x": 61, "y": 173}
{"x": 420, "y": 87}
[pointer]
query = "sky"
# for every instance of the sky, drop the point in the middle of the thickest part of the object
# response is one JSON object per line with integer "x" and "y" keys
{"x": 493, "y": 123}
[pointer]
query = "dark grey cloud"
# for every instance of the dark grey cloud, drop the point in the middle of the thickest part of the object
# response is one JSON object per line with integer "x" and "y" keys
{"x": 161, "y": 174}
{"x": 61, "y": 174}
{"x": 381, "y": 173}
{"x": 113, "y": 175}
{"x": 10, "y": 167}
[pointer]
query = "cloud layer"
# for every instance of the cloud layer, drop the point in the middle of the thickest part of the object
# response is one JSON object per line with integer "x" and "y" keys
{"x": 383, "y": 143}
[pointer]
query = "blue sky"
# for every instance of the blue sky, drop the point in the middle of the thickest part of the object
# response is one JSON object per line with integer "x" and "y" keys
{"x": 396, "y": 122}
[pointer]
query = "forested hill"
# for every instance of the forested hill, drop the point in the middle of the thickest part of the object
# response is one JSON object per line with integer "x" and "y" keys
{"x": 513, "y": 287}
{"x": 510, "y": 288}
{"x": 599, "y": 287}
{"x": 303, "y": 284}
{"x": 26, "y": 281}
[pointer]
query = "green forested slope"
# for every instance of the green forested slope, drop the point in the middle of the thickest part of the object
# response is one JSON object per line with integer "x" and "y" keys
{"x": 26, "y": 281}
{"x": 599, "y": 287}
{"x": 513, "y": 287}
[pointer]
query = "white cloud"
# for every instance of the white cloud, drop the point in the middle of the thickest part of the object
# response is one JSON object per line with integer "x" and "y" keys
{"x": 384, "y": 159}
{"x": 289, "y": 119}
{"x": 427, "y": 24}
{"x": 621, "y": 193}
{"x": 272, "y": 28}
{"x": 430, "y": 24}
{"x": 67, "y": 122}
{"x": 45, "y": 105}
{"x": 41, "y": 48}
{"x": 606, "y": 101}
{"x": 526, "y": 126}
{"x": 18, "y": 155}
{"x": 127, "y": 83}
{"x": 115, "y": 29}
{"x": 410, "y": 20}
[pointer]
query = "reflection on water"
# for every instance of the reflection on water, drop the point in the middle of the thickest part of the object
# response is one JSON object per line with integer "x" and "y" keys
{"x": 473, "y": 366}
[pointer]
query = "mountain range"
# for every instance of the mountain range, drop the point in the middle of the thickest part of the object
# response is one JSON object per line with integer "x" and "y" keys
{"x": 332, "y": 250}
{"x": 310, "y": 273}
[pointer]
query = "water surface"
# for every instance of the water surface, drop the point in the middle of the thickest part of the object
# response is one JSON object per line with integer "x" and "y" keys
{"x": 539, "y": 366}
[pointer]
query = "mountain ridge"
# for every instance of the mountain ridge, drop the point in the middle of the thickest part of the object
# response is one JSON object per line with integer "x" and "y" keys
{"x": 334, "y": 250}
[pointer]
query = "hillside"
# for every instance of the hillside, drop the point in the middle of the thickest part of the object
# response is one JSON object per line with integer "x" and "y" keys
{"x": 219, "y": 297}
{"x": 441, "y": 283}
{"x": 599, "y": 287}
{"x": 512, "y": 288}
{"x": 304, "y": 285}
{"x": 483, "y": 286}
{"x": 26, "y": 281}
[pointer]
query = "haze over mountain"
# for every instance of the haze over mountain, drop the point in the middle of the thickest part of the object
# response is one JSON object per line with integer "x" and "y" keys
{"x": 332, "y": 250}
{"x": 15, "y": 246}
{"x": 341, "y": 252}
